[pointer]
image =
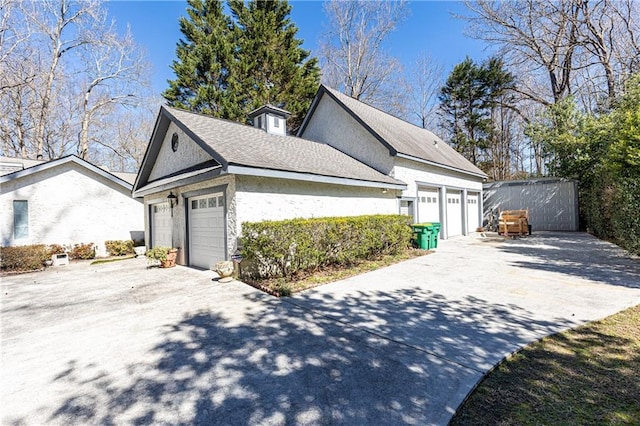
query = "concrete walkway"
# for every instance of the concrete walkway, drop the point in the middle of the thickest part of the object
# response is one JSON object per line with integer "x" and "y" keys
{"x": 120, "y": 343}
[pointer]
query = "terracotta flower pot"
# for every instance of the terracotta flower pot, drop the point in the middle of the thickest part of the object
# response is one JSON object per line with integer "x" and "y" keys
{"x": 170, "y": 262}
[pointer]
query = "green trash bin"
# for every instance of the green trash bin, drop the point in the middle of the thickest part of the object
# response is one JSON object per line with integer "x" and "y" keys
{"x": 436, "y": 232}
{"x": 423, "y": 233}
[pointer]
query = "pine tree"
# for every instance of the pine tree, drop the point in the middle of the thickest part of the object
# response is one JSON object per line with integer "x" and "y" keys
{"x": 228, "y": 66}
{"x": 203, "y": 59}
{"x": 467, "y": 101}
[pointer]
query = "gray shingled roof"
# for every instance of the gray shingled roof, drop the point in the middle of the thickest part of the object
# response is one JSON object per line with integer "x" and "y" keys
{"x": 403, "y": 137}
{"x": 242, "y": 145}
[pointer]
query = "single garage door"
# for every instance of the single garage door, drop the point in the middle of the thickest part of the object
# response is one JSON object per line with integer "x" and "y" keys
{"x": 428, "y": 205}
{"x": 206, "y": 230}
{"x": 473, "y": 211}
{"x": 454, "y": 213}
{"x": 161, "y": 225}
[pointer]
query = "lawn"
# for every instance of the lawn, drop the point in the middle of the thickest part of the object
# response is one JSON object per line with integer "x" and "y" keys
{"x": 287, "y": 286}
{"x": 586, "y": 376}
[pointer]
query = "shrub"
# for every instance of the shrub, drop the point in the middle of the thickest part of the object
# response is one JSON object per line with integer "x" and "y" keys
{"x": 55, "y": 249}
{"x": 119, "y": 247}
{"x": 23, "y": 258}
{"x": 83, "y": 251}
{"x": 284, "y": 248}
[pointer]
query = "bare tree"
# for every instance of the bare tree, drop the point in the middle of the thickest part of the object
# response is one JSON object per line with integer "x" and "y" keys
{"x": 67, "y": 81}
{"x": 541, "y": 36}
{"x": 353, "y": 58}
{"x": 115, "y": 70}
{"x": 426, "y": 78}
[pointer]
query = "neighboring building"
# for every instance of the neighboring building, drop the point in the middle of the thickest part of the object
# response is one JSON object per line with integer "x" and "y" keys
{"x": 552, "y": 202}
{"x": 202, "y": 177}
{"x": 442, "y": 185}
{"x": 66, "y": 201}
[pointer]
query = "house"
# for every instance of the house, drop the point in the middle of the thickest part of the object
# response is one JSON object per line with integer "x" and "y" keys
{"x": 66, "y": 201}
{"x": 202, "y": 177}
{"x": 442, "y": 185}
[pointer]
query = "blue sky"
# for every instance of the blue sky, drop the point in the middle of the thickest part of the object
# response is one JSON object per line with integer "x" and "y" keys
{"x": 430, "y": 29}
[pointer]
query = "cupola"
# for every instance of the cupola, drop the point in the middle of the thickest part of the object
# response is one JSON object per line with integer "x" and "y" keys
{"x": 271, "y": 119}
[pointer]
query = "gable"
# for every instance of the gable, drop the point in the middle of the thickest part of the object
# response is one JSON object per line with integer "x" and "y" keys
{"x": 188, "y": 154}
{"x": 401, "y": 138}
{"x": 329, "y": 123}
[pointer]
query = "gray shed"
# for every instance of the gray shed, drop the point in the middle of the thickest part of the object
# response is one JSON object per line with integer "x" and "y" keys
{"x": 552, "y": 202}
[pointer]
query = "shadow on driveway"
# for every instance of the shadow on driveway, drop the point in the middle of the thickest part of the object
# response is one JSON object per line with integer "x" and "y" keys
{"x": 576, "y": 254}
{"x": 287, "y": 365}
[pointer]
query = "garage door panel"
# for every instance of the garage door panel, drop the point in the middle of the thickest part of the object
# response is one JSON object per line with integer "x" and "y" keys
{"x": 161, "y": 225}
{"x": 454, "y": 213}
{"x": 428, "y": 205}
{"x": 473, "y": 211}
{"x": 206, "y": 230}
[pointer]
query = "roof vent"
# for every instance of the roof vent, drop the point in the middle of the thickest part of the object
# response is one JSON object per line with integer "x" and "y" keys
{"x": 271, "y": 119}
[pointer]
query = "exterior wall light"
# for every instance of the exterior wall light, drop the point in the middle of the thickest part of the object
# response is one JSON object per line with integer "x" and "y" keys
{"x": 173, "y": 201}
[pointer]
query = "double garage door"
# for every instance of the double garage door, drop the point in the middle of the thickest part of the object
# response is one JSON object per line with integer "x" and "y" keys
{"x": 206, "y": 228}
{"x": 429, "y": 209}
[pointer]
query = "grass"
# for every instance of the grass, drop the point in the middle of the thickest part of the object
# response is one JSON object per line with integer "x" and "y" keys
{"x": 112, "y": 259}
{"x": 286, "y": 287}
{"x": 586, "y": 376}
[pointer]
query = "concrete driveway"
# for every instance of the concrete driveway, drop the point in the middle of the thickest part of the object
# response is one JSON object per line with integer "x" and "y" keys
{"x": 120, "y": 343}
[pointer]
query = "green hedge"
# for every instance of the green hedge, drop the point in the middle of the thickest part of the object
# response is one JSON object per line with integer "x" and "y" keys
{"x": 284, "y": 248}
{"x": 611, "y": 207}
{"x": 119, "y": 247}
{"x": 24, "y": 258}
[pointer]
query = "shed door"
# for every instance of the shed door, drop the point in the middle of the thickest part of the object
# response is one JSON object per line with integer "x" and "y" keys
{"x": 473, "y": 211}
{"x": 454, "y": 213}
{"x": 161, "y": 225}
{"x": 428, "y": 205}
{"x": 206, "y": 230}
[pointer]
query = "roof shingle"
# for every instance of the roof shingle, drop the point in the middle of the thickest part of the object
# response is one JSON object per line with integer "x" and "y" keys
{"x": 242, "y": 145}
{"x": 403, "y": 137}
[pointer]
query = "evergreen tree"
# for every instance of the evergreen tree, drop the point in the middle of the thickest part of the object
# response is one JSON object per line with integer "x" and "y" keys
{"x": 228, "y": 66}
{"x": 203, "y": 59}
{"x": 271, "y": 65}
{"x": 467, "y": 102}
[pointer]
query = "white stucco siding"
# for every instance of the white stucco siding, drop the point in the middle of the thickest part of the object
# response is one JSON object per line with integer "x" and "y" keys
{"x": 188, "y": 154}
{"x": 180, "y": 212}
{"x": 416, "y": 174}
{"x": 69, "y": 204}
{"x": 332, "y": 125}
{"x": 259, "y": 199}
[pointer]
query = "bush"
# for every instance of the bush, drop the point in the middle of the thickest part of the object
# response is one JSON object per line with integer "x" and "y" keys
{"x": 23, "y": 258}
{"x": 119, "y": 247}
{"x": 284, "y": 248}
{"x": 82, "y": 251}
{"x": 55, "y": 249}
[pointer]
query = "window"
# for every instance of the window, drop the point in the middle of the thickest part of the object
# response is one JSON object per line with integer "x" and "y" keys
{"x": 194, "y": 204}
{"x": 203, "y": 203}
{"x": 260, "y": 122}
{"x": 221, "y": 201}
{"x": 212, "y": 202}
{"x": 20, "y": 219}
{"x": 276, "y": 122}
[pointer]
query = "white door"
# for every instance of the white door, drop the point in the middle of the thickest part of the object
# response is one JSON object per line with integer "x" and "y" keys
{"x": 454, "y": 213}
{"x": 161, "y": 225}
{"x": 206, "y": 230}
{"x": 473, "y": 211}
{"x": 428, "y": 205}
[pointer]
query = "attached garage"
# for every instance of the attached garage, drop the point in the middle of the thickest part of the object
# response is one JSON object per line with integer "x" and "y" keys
{"x": 161, "y": 225}
{"x": 428, "y": 205}
{"x": 206, "y": 230}
{"x": 473, "y": 211}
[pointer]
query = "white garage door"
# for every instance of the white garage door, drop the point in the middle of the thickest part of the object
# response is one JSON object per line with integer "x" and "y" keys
{"x": 428, "y": 205}
{"x": 206, "y": 230}
{"x": 161, "y": 225}
{"x": 473, "y": 211}
{"x": 454, "y": 213}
